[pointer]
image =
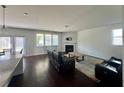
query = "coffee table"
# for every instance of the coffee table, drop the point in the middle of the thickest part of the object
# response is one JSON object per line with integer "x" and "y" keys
{"x": 78, "y": 57}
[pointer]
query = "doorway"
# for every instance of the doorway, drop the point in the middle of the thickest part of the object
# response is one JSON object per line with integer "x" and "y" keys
{"x": 11, "y": 45}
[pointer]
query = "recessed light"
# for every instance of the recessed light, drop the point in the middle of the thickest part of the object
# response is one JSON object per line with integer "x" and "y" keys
{"x": 66, "y": 26}
{"x": 26, "y": 14}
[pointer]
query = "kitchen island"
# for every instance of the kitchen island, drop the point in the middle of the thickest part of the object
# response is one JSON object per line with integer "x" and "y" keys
{"x": 10, "y": 66}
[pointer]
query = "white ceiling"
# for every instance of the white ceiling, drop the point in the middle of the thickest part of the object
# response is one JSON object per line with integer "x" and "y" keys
{"x": 54, "y": 18}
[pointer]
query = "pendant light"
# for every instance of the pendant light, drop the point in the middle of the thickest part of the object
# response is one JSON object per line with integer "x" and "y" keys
{"x": 3, "y": 25}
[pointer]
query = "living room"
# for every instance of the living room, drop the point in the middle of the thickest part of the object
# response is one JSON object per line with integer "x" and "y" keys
{"x": 85, "y": 36}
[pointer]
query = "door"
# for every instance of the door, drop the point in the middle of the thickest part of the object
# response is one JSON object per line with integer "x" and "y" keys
{"x": 5, "y": 45}
{"x": 19, "y": 45}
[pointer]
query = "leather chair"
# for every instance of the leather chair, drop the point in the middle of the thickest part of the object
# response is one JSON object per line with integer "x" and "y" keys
{"x": 109, "y": 71}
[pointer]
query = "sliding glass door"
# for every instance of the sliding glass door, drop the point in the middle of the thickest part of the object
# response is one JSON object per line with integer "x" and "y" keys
{"x": 11, "y": 45}
{"x": 5, "y": 45}
{"x": 19, "y": 45}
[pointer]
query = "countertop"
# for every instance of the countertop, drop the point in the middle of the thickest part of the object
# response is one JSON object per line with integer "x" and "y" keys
{"x": 7, "y": 67}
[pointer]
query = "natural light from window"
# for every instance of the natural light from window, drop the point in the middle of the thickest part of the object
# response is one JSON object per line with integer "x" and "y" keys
{"x": 40, "y": 39}
{"x": 5, "y": 43}
{"x": 117, "y": 37}
{"x": 55, "y": 40}
{"x": 48, "y": 39}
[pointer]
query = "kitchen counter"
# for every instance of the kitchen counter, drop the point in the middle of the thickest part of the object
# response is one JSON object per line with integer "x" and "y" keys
{"x": 10, "y": 66}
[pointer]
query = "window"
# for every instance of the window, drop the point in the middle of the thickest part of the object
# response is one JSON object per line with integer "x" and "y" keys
{"x": 5, "y": 43}
{"x": 55, "y": 40}
{"x": 40, "y": 39}
{"x": 48, "y": 39}
{"x": 117, "y": 37}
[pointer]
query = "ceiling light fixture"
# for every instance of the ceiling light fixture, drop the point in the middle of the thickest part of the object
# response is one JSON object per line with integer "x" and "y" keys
{"x": 26, "y": 14}
{"x": 4, "y": 7}
{"x": 66, "y": 26}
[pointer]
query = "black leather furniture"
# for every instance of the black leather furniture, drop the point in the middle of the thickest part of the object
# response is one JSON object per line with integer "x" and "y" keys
{"x": 60, "y": 62}
{"x": 109, "y": 71}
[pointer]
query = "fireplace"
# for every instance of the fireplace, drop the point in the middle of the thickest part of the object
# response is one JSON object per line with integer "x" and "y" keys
{"x": 69, "y": 48}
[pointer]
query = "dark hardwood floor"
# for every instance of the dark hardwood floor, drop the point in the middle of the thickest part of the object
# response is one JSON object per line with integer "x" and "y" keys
{"x": 38, "y": 72}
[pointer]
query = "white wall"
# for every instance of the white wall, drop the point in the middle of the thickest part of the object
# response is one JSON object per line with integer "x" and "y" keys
{"x": 73, "y": 35}
{"x": 30, "y": 39}
{"x": 98, "y": 42}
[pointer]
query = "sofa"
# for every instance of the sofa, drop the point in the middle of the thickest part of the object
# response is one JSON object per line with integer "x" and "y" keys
{"x": 110, "y": 71}
{"x": 60, "y": 62}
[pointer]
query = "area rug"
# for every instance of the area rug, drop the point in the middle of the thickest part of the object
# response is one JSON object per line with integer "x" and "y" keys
{"x": 87, "y": 66}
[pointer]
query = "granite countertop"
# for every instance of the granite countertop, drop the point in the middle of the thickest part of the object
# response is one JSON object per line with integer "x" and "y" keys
{"x": 7, "y": 67}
